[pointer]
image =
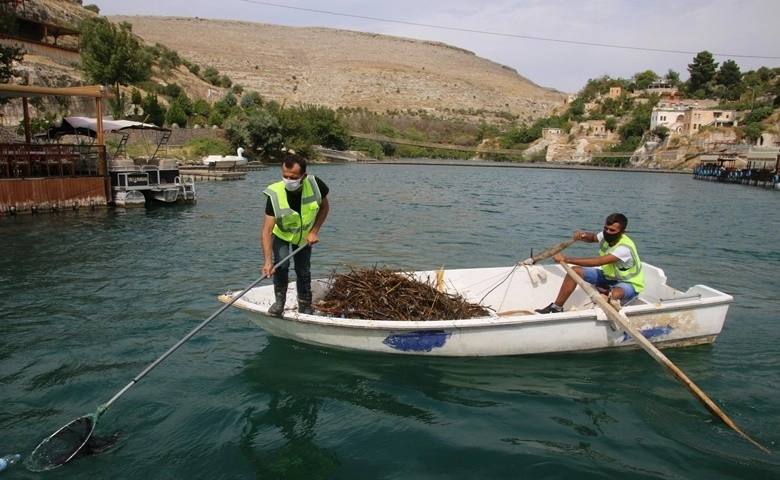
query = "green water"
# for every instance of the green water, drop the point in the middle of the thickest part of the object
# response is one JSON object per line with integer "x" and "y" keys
{"x": 89, "y": 299}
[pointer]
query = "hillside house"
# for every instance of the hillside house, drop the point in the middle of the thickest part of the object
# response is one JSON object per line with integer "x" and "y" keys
{"x": 552, "y": 133}
{"x": 695, "y": 118}
{"x": 671, "y": 116}
{"x": 594, "y": 128}
{"x": 687, "y": 119}
{"x": 662, "y": 87}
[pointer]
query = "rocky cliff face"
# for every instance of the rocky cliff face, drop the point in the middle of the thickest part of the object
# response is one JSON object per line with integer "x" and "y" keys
{"x": 339, "y": 68}
{"x": 318, "y": 66}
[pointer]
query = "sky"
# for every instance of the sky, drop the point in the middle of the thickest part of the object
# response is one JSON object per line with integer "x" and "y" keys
{"x": 558, "y": 44}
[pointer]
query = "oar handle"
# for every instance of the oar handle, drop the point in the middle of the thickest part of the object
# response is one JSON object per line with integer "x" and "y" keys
{"x": 181, "y": 342}
{"x": 654, "y": 352}
{"x": 547, "y": 253}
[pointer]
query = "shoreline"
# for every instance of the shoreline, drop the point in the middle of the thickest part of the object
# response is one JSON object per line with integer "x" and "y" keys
{"x": 494, "y": 164}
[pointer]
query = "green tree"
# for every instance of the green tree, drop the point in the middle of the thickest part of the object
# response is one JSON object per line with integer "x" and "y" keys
{"x": 661, "y": 131}
{"x": 674, "y": 78}
{"x": 153, "y": 111}
{"x": 577, "y": 108}
{"x": 757, "y": 115}
{"x": 201, "y": 111}
{"x": 118, "y": 105}
{"x": 135, "y": 100}
{"x": 176, "y": 114}
{"x": 251, "y": 100}
{"x": 643, "y": 80}
{"x": 305, "y": 126}
{"x": 729, "y": 74}
{"x": 753, "y": 131}
{"x": 702, "y": 74}
{"x": 729, "y": 78}
{"x": 257, "y": 131}
{"x": 112, "y": 55}
{"x": 211, "y": 75}
{"x": 37, "y": 125}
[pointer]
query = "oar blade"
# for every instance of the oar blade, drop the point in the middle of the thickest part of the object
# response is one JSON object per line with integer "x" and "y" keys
{"x": 62, "y": 445}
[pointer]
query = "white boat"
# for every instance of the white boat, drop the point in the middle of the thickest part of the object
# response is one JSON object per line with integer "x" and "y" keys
{"x": 665, "y": 316}
{"x": 216, "y": 160}
{"x": 137, "y": 182}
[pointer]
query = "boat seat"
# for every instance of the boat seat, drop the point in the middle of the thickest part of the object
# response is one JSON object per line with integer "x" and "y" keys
{"x": 636, "y": 301}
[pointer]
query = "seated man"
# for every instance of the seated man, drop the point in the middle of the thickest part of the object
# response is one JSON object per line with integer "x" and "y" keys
{"x": 620, "y": 269}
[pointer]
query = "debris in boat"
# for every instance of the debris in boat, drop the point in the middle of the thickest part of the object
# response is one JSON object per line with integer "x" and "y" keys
{"x": 385, "y": 294}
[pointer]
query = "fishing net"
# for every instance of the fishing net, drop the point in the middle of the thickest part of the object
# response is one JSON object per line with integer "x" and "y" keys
{"x": 385, "y": 294}
{"x": 62, "y": 445}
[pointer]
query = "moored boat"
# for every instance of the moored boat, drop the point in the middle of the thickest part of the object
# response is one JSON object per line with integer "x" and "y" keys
{"x": 664, "y": 315}
{"x": 134, "y": 183}
{"x": 217, "y": 160}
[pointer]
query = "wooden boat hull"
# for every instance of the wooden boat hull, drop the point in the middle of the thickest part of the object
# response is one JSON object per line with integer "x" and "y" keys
{"x": 666, "y": 316}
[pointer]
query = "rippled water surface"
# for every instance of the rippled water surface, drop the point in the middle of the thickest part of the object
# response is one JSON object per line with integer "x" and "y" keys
{"x": 89, "y": 299}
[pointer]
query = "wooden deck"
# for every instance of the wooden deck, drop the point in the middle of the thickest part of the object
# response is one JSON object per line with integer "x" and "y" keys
{"x": 50, "y": 177}
{"x": 30, "y": 195}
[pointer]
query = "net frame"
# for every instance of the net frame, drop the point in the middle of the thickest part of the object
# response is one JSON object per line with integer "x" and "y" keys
{"x": 64, "y": 444}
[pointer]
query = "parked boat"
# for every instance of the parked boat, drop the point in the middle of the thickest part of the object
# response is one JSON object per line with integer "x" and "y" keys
{"x": 133, "y": 182}
{"x": 217, "y": 160}
{"x": 666, "y": 316}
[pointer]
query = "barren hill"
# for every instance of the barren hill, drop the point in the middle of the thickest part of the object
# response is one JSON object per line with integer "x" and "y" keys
{"x": 340, "y": 68}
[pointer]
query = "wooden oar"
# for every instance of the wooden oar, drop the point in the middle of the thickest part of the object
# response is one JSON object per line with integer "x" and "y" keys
{"x": 547, "y": 253}
{"x": 622, "y": 321}
{"x": 527, "y": 262}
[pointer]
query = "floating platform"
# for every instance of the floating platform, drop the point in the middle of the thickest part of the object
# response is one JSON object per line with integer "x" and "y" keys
{"x": 204, "y": 175}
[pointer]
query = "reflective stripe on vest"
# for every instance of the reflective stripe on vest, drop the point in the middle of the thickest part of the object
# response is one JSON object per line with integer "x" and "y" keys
{"x": 290, "y": 225}
{"x": 634, "y": 274}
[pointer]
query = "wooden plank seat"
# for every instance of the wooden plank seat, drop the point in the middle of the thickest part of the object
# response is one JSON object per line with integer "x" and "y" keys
{"x": 229, "y": 166}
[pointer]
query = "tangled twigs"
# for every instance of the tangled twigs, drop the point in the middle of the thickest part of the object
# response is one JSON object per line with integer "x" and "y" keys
{"x": 385, "y": 294}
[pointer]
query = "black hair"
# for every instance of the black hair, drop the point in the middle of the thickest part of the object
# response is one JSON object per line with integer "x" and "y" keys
{"x": 292, "y": 159}
{"x": 617, "y": 218}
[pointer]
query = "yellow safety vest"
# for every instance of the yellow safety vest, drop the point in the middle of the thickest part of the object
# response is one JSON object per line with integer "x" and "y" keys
{"x": 292, "y": 226}
{"x": 634, "y": 274}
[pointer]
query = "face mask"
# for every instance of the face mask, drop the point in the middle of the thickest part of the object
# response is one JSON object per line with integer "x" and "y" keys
{"x": 611, "y": 237}
{"x": 291, "y": 185}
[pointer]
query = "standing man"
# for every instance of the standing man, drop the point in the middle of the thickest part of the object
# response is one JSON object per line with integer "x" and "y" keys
{"x": 620, "y": 269}
{"x": 295, "y": 210}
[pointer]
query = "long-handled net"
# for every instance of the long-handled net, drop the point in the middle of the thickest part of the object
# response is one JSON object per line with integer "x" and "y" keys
{"x": 67, "y": 442}
{"x": 62, "y": 445}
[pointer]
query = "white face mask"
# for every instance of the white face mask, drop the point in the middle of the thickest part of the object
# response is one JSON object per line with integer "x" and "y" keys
{"x": 291, "y": 185}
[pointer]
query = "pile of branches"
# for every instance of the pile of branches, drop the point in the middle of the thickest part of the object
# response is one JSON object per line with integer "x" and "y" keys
{"x": 385, "y": 294}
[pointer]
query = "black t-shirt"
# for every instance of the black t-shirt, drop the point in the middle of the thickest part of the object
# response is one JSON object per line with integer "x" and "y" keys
{"x": 294, "y": 198}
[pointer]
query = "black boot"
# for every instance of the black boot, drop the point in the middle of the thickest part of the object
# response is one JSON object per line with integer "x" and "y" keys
{"x": 304, "y": 303}
{"x": 280, "y": 294}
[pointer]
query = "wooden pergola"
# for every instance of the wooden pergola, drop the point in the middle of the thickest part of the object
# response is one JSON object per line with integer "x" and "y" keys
{"x": 38, "y": 177}
{"x": 98, "y": 92}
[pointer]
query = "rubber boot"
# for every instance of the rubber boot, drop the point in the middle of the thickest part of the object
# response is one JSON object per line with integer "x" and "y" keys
{"x": 304, "y": 303}
{"x": 280, "y": 294}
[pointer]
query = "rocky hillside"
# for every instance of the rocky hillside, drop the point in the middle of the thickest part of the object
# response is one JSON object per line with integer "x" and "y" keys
{"x": 339, "y": 68}
{"x": 319, "y": 66}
